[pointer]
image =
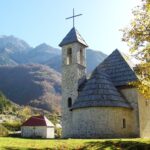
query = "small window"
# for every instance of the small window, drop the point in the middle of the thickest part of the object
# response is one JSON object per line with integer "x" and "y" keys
{"x": 146, "y": 102}
{"x": 69, "y": 102}
{"x": 124, "y": 123}
{"x": 81, "y": 56}
{"x": 69, "y": 56}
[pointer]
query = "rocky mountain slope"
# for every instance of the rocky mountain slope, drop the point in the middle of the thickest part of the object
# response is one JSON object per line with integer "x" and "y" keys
{"x": 35, "y": 85}
{"x": 14, "y": 51}
{"x": 93, "y": 58}
{"x": 29, "y": 76}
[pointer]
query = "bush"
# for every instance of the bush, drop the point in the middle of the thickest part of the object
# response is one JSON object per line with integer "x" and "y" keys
{"x": 12, "y": 126}
{"x": 58, "y": 132}
{"x": 3, "y": 131}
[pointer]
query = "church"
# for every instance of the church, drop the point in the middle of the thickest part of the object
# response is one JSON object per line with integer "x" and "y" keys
{"x": 102, "y": 105}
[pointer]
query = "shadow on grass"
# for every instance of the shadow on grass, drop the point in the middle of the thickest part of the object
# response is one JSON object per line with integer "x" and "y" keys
{"x": 97, "y": 145}
{"x": 23, "y": 148}
{"x": 119, "y": 145}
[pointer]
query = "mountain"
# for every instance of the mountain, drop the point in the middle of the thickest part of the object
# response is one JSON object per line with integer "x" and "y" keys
{"x": 93, "y": 58}
{"x": 55, "y": 63}
{"x": 32, "y": 75}
{"x": 42, "y": 53}
{"x": 14, "y": 51}
{"x": 6, "y": 60}
{"x": 12, "y": 44}
{"x": 35, "y": 85}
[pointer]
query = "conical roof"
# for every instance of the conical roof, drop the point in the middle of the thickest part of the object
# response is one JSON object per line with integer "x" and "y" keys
{"x": 71, "y": 37}
{"x": 99, "y": 91}
{"x": 119, "y": 68}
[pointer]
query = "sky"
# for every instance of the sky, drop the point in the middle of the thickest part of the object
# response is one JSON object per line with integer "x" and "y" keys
{"x": 43, "y": 21}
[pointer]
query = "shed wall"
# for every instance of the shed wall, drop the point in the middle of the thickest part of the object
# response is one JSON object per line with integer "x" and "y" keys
{"x": 37, "y": 131}
{"x": 50, "y": 132}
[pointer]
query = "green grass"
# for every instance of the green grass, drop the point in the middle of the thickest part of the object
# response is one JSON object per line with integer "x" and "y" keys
{"x": 11, "y": 143}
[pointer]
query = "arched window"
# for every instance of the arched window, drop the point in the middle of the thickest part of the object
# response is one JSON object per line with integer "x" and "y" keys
{"x": 124, "y": 123}
{"x": 69, "y": 56}
{"x": 146, "y": 102}
{"x": 69, "y": 102}
{"x": 81, "y": 56}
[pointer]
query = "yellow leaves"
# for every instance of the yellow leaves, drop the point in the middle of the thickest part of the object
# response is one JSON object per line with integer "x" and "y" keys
{"x": 147, "y": 5}
{"x": 26, "y": 112}
{"x": 133, "y": 24}
{"x": 137, "y": 37}
{"x": 142, "y": 88}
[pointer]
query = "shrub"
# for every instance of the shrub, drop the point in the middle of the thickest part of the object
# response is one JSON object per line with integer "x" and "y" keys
{"x": 58, "y": 132}
{"x": 3, "y": 131}
{"x": 12, "y": 126}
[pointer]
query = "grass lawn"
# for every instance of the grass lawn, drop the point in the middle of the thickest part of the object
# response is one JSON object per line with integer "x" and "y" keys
{"x": 12, "y": 143}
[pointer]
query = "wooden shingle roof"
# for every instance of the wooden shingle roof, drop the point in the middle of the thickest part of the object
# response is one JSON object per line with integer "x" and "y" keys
{"x": 99, "y": 91}
{"x": 119, "y": 68}
{"x": 71, "y": 37}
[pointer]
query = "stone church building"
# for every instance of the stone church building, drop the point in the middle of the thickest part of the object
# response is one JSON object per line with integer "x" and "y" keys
{"x": 103, "y": 105}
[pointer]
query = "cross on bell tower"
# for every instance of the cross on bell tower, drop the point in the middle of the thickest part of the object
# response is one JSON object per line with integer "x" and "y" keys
{"x": 73, "y": 17}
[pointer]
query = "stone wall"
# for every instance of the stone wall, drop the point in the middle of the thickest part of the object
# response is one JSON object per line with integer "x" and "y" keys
{"x": 144, "y": 116}
{"x": 102, "y": 122}
{"x": 71, "y": 74}
{"x": 131, "y": 95}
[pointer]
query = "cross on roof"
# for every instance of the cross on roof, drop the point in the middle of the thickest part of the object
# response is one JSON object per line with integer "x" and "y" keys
{"x": 73, "y": 17}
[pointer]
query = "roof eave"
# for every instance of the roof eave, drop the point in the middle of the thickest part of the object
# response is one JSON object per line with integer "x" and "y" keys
{"x": 80, "y": 107}
{"x": 63, "y": 44}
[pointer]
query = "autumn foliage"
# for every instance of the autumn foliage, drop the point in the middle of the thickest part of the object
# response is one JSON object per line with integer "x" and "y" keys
{"x": 137, "y": 35}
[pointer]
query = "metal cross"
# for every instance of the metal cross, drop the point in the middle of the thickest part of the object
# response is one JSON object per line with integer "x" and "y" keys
{"x": 73, "y": 16}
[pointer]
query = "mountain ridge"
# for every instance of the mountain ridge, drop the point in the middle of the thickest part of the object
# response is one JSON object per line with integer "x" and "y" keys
{"x": 17, "y": 51}
{"x": 32, "y": 75}
{"x": 35, "y": 85}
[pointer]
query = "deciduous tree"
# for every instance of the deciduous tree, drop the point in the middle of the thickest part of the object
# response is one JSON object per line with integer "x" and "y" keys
{"x": 137, "y": 35}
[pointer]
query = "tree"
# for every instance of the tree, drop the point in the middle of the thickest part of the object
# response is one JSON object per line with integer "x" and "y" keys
{"x": 25, "y": 113}
{"x": 137, "y": 35}
{"x": 5, "y": 104}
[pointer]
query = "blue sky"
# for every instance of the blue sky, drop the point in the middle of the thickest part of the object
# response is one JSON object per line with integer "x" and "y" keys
{"x": 38, "y": 21}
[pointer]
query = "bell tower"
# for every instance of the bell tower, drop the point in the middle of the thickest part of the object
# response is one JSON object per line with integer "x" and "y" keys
{"x": 73, "y": 71}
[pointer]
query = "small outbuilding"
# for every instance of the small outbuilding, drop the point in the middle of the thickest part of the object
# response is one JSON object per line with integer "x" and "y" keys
{"x": 37, "y": 127}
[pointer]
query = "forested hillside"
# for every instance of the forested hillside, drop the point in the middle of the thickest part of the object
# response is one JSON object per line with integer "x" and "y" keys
{"x": 32, "y": 75}
{"x": 5, "y": 104}
{"x": 35, "y": 85}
